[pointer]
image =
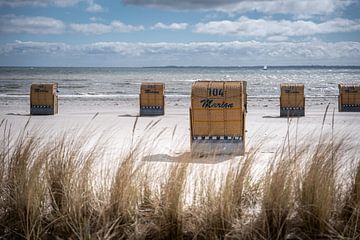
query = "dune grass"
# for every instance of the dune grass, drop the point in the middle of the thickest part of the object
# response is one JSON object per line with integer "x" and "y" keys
{"x": 350, "y": 214}
{"x": 50, "y": 190}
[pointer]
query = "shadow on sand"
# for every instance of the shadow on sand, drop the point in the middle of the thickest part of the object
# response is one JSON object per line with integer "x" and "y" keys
{"x": 18, "y": 114}
{"x": 137, "y": 115}
{"x": 187, "y": 157}
{"x": 129, "y": 115}
{"x": 268, "y": 116}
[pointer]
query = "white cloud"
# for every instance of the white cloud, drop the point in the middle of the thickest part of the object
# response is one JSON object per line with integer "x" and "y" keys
{"x": 272, "y": 28}
{"x": 172, "y": 26}
{"x": 96, "y": 19}
{"x": 32, "y": 25}
{"x": 94, "y": 8}
{"x": 196, "y": 53}
{"x": 184, "y": 4}
{"x": 121, "y": 27}
{"x": 20, "y": 47}
{"x": 91, "y": 28}
{"x": 99, "y": 28}
{"x": 39, "y": 3}
{"x": 277, "y": 38}
{"x": 299, "y": 8}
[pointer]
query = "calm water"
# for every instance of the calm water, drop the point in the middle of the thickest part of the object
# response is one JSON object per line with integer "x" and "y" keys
{"x": 110, "y": 82}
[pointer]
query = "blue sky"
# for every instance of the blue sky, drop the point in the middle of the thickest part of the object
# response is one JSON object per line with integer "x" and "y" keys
{"x": 123, "y": 33}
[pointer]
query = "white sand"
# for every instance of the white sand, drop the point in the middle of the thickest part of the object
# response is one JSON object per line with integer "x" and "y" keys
{"x": 114, "y": 120}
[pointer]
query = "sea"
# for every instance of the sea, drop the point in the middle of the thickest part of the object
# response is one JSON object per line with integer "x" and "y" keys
{"x": 116, "y": 83}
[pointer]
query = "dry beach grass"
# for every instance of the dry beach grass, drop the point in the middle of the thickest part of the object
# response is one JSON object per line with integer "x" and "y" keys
{"x": 51, "y": 190}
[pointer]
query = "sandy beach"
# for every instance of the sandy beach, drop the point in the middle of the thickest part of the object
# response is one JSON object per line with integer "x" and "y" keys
{"x": 114, "y": 120}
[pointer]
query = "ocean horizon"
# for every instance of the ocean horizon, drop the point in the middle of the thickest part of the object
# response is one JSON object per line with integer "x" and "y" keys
{"x": 195, "y": 66}
{"x": 125, "y": 81}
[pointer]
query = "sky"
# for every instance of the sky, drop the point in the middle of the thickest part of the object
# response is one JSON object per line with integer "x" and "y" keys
{"x": 137, "y": 33}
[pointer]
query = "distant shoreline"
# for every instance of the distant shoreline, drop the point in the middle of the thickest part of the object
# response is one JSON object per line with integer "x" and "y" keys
{"x": 269, "y": 67}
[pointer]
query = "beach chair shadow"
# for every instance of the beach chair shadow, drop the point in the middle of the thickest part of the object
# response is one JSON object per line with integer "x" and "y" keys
{"x": 18, "y": 114}
{"x": 137, "y": 115}
{"x": 188, "y": 158}
{"x": 129, "y": 115}
{"x": 268, "y": 116}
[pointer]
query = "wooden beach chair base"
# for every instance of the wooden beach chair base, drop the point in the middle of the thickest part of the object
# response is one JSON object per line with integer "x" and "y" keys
{"x": 292, "y": 112}
{"x": 201, "y": 146}
{"x": 350, "y": 108}
{"x": 152, "y": 111}
{"x": 41, "y": 110}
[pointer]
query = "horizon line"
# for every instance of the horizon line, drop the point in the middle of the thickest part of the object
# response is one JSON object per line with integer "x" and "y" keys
{"x": 182, "y": 66}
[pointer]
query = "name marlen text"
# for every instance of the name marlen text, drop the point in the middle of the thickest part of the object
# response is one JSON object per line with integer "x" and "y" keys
{"x": 209, "y": 103}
